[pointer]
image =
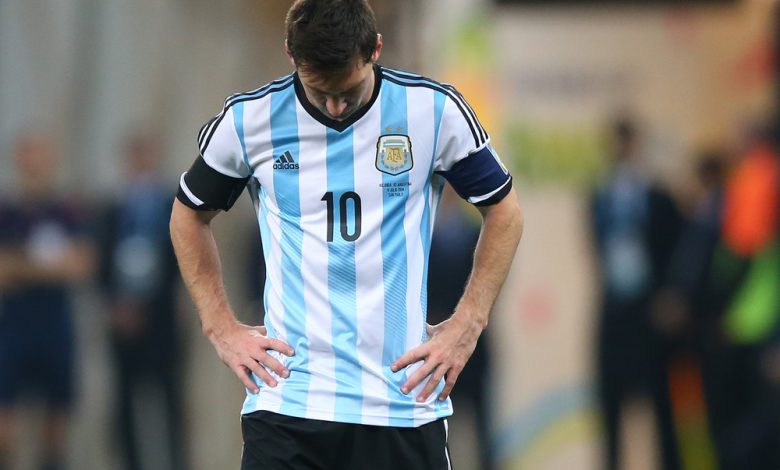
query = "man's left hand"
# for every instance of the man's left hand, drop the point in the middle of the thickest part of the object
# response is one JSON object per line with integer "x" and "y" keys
{"x": 444, "y": 355}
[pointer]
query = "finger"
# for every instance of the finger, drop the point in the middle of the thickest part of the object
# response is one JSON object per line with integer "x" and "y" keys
{"x": 278, "y": 345}
{"x": 260, "y": 372}
{"x": 433, "y": 382}
{"x": 272, "y": 363}
{"x": 263, "y": 330}
{"x": 243, "y": 374}
{"x": 419, "y": 375}
{"x": 413, "y": 355}
{"x": 452, "y": 377}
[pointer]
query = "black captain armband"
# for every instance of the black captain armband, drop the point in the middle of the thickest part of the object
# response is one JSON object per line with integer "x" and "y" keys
{"x": 205, "y": 189}
{"x": 480, "y": 178}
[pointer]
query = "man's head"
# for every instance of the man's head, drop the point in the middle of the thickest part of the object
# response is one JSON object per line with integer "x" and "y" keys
{"x": 624, "y": 139}
{"x": 333, "y": 44}
{"x": 710, "y": 169}
{"x": 143, "y": 153}
{"x": 36, "y": 164}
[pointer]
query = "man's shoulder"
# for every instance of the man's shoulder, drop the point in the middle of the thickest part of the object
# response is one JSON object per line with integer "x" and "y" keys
{"x": 444, "y": 91}
{"x": 411, "y": 79}
{"x": 260, "y": 92}
{"x": 253, "y": 96}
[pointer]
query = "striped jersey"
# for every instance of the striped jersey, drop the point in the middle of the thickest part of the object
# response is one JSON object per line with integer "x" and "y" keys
{"x": 346, "y": 211}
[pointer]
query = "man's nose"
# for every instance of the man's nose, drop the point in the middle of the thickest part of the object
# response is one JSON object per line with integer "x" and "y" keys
{"x": 335, "y": 106}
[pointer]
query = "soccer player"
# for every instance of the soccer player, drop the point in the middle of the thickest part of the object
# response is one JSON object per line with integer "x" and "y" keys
{"x": 344, "y": 160}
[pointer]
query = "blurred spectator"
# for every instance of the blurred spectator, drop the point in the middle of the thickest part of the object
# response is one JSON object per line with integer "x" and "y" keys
{"x": 679, "y": 316}
{"x": 449, "y": 265}
{"x": 635, "y": 228}
{"x": 43, "y": 251}
{"x": 692, "y": 256}
{"x": 738, "y": 305}
{"x": 139, "y": 279}
{"x": 678, "y": 312}
{"x": 675, "y": 313}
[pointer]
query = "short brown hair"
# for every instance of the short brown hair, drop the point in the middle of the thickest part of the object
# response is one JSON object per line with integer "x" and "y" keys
{"x": 325, "y": 36}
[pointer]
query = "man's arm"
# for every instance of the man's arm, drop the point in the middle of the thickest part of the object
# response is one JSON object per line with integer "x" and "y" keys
{"x": 75, "y": 264}
{"x": 241, "y": 347}
{"x": 453, "y": 341}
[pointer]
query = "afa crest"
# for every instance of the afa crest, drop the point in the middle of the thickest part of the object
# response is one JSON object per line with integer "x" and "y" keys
{"x": 394, "y": 154}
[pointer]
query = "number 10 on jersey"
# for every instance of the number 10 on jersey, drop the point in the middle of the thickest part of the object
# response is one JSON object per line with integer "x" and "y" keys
{"x": 349, "y": 205}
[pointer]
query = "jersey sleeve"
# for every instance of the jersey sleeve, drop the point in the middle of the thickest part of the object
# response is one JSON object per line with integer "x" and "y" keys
{"x": 219, "y": 174}
{"x": 465, "y": 157}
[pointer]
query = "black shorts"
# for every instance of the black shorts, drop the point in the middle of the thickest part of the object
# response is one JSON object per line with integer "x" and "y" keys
{"x": 278, "y": 442}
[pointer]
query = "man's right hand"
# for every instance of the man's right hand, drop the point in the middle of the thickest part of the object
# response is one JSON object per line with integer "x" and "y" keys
{"x": 245, "y": 349}
{"x": 241, "y": 347}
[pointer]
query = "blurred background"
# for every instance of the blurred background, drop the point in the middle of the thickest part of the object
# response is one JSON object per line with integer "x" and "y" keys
{"x": 638, "y": 328}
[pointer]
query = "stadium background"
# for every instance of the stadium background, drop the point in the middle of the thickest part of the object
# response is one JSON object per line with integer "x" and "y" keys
{"x": 545, "y": 79}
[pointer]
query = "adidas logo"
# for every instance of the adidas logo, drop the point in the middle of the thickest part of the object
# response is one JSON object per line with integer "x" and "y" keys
{"x": 285, "y": 162}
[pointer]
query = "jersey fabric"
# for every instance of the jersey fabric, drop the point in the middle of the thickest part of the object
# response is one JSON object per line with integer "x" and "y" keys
{"x": 346, "y": 211}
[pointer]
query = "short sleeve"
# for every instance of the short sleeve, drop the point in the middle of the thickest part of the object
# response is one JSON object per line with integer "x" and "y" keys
{"x": 465, "y": 156}
{"x": 220, "y": 172}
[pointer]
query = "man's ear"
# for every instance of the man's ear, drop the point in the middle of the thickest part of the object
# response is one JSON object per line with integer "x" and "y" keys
{"x": 289, "y": 54}
{"x": 378, "y": 49}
